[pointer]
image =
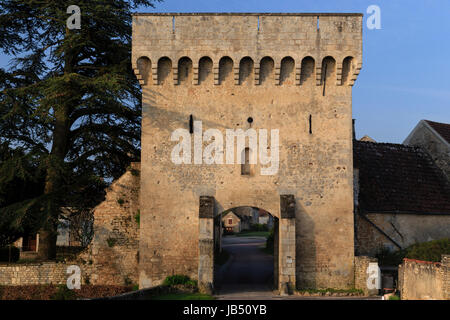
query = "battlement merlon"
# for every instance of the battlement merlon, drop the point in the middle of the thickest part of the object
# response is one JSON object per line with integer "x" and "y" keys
{"x": 257, "y": 35}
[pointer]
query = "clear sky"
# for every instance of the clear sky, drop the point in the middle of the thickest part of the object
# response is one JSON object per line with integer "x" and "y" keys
{"x": 406, "y": 66}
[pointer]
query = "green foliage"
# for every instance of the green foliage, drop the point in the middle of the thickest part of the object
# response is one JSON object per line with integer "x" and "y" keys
{"x": 120, "y": 201}
{"x": 429, "y": 251}
{"x": 135, "y": 172}
{"x": 70, "y": 108}
{"x": 137, "y": 217}
{"x": 387, "y": 257}
{"x": 259, "y": 227}
{"x": 332, "y": 290}
{"x": 426, "y": 251}
{"x": 395, "y": 297}
{"x": 111, "y": 242}
{"x": 64, "y": 293}
{"x": 179, "y": 279}
{"x": 270, "y": 242}
{"x": 127, "y": 281}
{"x": 9, "y": 254}
{"x": 264, "y": 234}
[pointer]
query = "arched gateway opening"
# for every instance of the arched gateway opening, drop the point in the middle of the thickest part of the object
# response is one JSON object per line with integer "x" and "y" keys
{"x": 246, "y": 251}
{"x": 276, "y": 271}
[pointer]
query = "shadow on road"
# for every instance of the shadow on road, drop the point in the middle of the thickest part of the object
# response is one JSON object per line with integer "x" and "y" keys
{"x": 249, "y": 270}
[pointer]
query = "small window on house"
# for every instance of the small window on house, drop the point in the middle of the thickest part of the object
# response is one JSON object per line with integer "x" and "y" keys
{"x": 230, "y": 221}
{"x": 245, "y": 166}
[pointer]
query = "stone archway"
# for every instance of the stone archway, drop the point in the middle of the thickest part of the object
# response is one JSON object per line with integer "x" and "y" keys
{"x": 284, "y": 267}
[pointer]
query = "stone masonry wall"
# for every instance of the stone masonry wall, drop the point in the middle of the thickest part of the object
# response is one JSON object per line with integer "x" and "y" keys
{"x": 291, "y": 72}
{"x": 33, "y": 273}
{"x": 361, "y": 265}
{"x": 404, "y": 229}
{"x": 424, "y": 280}
{"x": 112, "y": 256}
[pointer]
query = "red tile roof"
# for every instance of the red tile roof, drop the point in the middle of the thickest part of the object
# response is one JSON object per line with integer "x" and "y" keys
{"x": 443, "y": 129}
{"x": 399, "y": 178}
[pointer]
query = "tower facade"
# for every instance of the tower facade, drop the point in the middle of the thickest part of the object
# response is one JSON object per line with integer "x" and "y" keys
{"x": 290, "y": 74}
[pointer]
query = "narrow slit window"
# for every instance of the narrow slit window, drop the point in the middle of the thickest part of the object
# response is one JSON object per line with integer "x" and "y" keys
{"x": 191, "y": 124}
{"x": 310, "y": 124}
{"x": 245, "y": 166}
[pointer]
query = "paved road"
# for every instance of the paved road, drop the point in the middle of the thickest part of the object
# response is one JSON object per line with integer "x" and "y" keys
{"x": 248, "y": 274}
{"x": 249, "y": 271}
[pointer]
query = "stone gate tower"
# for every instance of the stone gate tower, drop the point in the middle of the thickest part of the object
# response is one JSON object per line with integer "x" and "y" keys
{"x": 289, "y": 72}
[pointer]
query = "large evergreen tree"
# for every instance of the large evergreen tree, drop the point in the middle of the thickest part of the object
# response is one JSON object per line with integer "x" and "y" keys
{"x": 69, "y": 102}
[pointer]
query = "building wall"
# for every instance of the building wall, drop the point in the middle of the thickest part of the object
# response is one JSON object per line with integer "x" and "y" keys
{"x": 361, "y": 274}
{"x": 424, "y": 280}
{"x": 235, "y": 223}
{"x": 34, "y": 273}
{"x": 438, "y": 148}
{"x": 404, "y": 229}
{"x": 315, "y": 129}
{"x": 112, "y": 256}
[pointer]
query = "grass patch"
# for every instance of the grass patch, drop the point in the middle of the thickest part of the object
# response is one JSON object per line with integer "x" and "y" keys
{"x": 264, "y": 234}
{"x": 183, "y": 296}
{"x": 394, "y": 298}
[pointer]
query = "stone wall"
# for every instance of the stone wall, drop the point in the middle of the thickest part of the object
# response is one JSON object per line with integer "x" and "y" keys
{"x": 424, "y": 280}
{"x": 291, "y": 72}
{"x": 404, "y": 229}
{"x": 111, "y": 258}
{"x": 33, "y": 273}
{"x": 361, "y": 275}
{"x": 113, "y": 255}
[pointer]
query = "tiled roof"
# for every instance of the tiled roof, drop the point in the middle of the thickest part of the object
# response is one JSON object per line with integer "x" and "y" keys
{"x": 395, "y": 177}
{"x": 443, "y": 129}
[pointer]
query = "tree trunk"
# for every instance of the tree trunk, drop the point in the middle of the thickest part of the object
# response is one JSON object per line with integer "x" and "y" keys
{"x": 55, "y": 167}
{"x": 53, "y": 183}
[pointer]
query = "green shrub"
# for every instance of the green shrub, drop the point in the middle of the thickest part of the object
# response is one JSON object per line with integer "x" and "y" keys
{"x": 179, "y": 279}
{"x": 429, "y": 251}
{"x": 111, "y": 242}
{"x": 390, "y": 258}
{"x": 426, "y": 251}
{"x": 120, "y": 201}
{"x": 5, "y": 254}
{"x": 64, "y": 293}
{"x": 137, "y": 217}
{"x": 270, "y": 242}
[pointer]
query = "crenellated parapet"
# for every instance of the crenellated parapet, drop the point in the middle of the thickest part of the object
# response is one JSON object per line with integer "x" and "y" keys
{"x": 247, "y": 49}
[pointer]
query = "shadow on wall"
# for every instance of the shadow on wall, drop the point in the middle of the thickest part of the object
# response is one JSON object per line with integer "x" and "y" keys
{"x": 306, "y": 252}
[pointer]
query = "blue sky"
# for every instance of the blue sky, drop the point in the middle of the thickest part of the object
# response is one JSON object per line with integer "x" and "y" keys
{"x": 406, "y": 67}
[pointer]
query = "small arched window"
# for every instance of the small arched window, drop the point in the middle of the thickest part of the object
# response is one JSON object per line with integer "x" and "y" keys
{"x": 164, "y": 70}
{"x": 246, "y": 71}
